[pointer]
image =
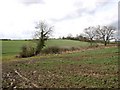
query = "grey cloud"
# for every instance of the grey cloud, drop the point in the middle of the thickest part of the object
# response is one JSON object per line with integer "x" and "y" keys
{"x": 29, "y": 2}
{"x": 115, "y": 24}
{"x": 80, "y": 11}
{"x": 99, "y": 5}
{"x": 103, "y": 3}
{"x": 75, "y": 14}
{"x": 84, "y": 10}
{"x": 66, "y": 17}
{"x": 1, "y": 35}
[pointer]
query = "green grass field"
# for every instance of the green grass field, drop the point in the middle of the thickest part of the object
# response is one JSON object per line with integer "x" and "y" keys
{"x": 12, "y": 48}
{"x": 66, "y": 43}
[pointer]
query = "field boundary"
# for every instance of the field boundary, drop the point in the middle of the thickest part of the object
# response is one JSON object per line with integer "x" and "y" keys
{"x": 89, "y": 48}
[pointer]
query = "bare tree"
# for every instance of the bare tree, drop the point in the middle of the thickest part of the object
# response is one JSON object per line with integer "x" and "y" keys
{"x": 43, "y": 33}
{"x": 105, "y": 33}
{"x": 90, "y": 33}
{"x": 69, "y": 36}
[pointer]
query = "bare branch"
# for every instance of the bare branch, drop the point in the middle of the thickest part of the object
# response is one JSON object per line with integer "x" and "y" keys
{"x": 43, "y": 33}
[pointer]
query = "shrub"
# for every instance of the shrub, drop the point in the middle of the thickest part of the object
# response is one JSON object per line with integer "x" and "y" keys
{"x": 64, "y": 49}
{"x": 74, "y": 48}
{"x": 27, "y": 51}
{"x": 57, "y": 50}
{"x": 94, "y": 45}
{"x": 51, "y": 50}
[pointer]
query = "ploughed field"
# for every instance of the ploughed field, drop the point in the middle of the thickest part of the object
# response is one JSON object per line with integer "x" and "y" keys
{"x": 86, "y": 68}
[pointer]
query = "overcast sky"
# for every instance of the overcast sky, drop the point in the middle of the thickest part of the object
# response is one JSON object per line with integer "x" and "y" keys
{"x": 18, "y": 17}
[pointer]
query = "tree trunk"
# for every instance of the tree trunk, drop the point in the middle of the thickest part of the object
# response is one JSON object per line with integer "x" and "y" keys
{"x": 105, "y": 43}
{"x": 107, "y": 40}
{"x": 91, "y": 41}
{"x": 40, "y": 45}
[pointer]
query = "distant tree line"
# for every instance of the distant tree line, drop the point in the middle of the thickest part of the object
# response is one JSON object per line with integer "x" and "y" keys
{"x": 28, "y": 39}
{"x": 5, "y": 39}
{"x": 92, "y": 34}
{"x": 77, "y": 37}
